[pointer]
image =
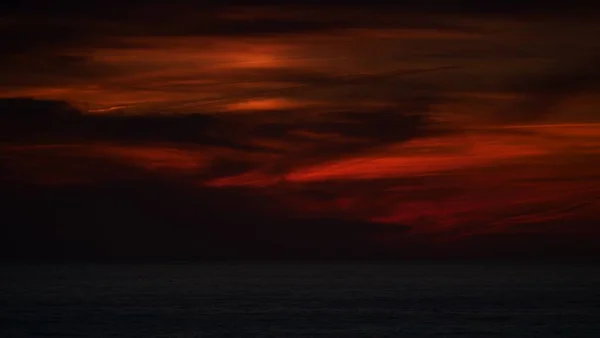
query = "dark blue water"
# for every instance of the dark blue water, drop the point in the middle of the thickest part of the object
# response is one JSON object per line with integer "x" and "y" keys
{"x": 327, "y": 300}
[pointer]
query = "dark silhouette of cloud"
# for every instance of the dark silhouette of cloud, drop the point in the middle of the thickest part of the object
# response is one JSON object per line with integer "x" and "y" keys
{"x": 42, "y": 28}
{"x": 545, "y": 93}
{"x": 38, "y": 122}
{"x": 153, "y": 220}
{"x": 29, "y": 110}
{"x": 31, "y": 120}
{"x": 342, "y": 133}
{"x": 106, "y": 8}
{"x": 35, "y": 26}
{"x": 50, "y": 121}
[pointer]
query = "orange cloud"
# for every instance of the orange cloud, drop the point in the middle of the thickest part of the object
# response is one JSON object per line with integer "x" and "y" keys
{"x": 433, "y": 156}
{"x": 494, "y": 181}
{"x": 248, "y": 179}
{"x": 72, "y": 163}
{"x": 156, "y": 157}
{"x": 265, "y": 104}
{"x": 419, "y": 157}
{"x": 317, "y": 111}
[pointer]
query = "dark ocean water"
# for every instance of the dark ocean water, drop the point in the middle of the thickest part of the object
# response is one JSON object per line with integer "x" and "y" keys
{"x": 299, "y": 300}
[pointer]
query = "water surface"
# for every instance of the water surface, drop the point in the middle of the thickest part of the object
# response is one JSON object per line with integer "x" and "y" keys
{"x": 299, "y": 300}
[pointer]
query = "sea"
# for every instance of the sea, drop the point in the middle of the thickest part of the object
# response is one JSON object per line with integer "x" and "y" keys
{"x": 299, "y": 300}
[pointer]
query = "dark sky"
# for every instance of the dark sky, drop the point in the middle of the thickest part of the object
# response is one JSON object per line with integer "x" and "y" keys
{"x": 424, "y": 130}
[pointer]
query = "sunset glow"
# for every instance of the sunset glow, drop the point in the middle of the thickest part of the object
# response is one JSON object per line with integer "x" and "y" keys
{"x": 444, "y": 124}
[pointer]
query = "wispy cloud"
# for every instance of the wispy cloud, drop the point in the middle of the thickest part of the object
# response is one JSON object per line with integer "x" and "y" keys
{"x": 407, "y": 123}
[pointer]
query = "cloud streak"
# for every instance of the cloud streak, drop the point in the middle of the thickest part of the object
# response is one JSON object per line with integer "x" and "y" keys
{"x": 394, "y": 130}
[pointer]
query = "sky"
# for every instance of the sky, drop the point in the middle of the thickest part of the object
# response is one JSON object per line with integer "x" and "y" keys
{"x": 426, "y": 130}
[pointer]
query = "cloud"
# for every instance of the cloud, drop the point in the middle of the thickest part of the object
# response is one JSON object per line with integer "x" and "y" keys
{"x": 49, "y": 121}
{"x": 189, "y": 143}
{"x": 57, "y": 165}
{"x": 544, "y": 94}
{"x": 303, "y": 118}
{"x": 136, "y": 221}
{"x": 30, "y": 110}
{"x": 40, "y": 28}
{"x": 153, "y": 219}
{"x": 56, "y": 122}
{"x": 302, "y": 140}
{"x": 164, "y": 56}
